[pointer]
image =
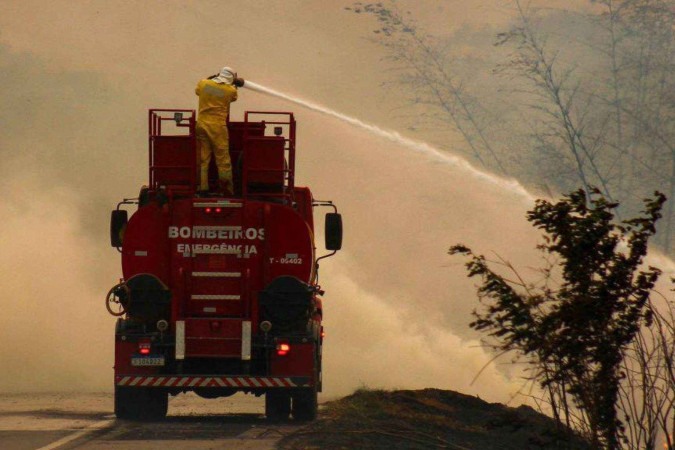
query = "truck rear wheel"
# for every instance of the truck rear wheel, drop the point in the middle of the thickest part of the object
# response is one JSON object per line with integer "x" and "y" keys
{"x": 277, "y": 405}
{"x": 140, "y": 403}
{"x": 305, "y": 404}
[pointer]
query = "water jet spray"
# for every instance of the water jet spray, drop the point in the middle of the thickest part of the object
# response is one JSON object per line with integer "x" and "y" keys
{"x": 393, "y": 136}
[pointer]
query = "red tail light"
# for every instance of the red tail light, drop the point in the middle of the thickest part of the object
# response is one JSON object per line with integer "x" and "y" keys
{"x": 144, "y": 348}
{"x": 283, "y": 349}
{"x": 208, "y": 210}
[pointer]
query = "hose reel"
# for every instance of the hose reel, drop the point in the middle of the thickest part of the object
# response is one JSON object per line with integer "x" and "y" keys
{"x": 142, "y": 297}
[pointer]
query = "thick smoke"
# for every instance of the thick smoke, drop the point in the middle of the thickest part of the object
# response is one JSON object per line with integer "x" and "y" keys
{"x": 54, "y": 331}
{"x": 75, "y": 101}
{"x": 53, "y": 328}
{"x": 370, "y": 343}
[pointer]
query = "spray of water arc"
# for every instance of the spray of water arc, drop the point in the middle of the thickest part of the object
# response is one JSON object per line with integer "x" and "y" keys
{"x": 411, "y": 144}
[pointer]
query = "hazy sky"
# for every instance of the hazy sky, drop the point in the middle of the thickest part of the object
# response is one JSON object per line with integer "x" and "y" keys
{"x": 78, "y": 78}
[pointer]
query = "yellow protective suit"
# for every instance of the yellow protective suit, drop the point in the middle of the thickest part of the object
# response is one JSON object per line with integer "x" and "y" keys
{"x": 214, "y": 107}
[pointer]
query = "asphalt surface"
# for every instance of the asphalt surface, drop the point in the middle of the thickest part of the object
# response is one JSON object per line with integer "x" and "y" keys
{"x": 85, "y": 421}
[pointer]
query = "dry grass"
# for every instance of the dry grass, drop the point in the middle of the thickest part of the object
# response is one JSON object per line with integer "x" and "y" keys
{"x": 430, "y": 418}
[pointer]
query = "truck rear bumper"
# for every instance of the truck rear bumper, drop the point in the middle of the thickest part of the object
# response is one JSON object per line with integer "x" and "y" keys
{"x": 203, "y": 381}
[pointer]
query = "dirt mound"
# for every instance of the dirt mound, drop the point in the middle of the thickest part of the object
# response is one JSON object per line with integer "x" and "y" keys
{"x": 429, "y": 418}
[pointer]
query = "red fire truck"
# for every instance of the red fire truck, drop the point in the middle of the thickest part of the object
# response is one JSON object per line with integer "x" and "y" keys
{"x": 219, "y": 293}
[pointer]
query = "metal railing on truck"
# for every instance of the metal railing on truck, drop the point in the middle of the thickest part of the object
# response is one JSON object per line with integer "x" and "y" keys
{"x": 268, "y": 168}
{"x": 173, "y": 159}
{"x": 268, "y": 160}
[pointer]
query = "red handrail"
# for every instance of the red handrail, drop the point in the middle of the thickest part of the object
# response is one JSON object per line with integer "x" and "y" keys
{"x": 187, "y": 119}
{"x": 289, "y": 146}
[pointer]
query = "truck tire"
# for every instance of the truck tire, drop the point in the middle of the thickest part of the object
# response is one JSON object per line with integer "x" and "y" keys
{"x": 140, "y": 403}
{"x": 305, "y": 404}
{"x": 277, "y": 405}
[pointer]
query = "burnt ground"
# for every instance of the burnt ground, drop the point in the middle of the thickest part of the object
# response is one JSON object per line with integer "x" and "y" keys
{"x": 429, "y": 418}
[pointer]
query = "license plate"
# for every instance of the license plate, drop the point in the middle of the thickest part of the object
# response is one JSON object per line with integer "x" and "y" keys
{"x": 148, "y": 361}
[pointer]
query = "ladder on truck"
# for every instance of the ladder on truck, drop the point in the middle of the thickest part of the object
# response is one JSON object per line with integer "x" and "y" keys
{"x": 218, "y": 311}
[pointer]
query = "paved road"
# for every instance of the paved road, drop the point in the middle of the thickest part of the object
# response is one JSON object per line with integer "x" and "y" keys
{"x": 85, "y": 421}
